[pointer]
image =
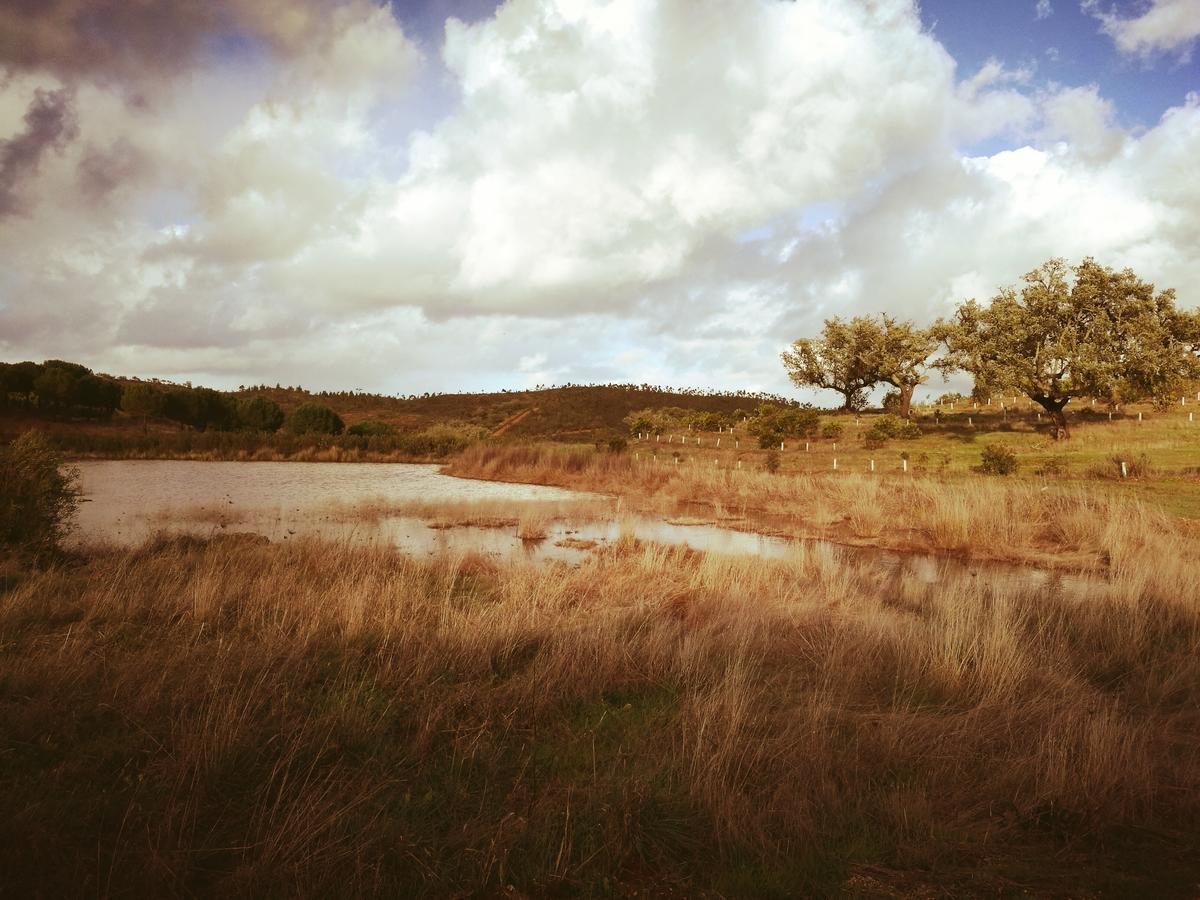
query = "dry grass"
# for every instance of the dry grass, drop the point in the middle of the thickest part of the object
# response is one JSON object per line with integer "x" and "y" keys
{"x": 237, "y": 719}
{"x": 490, "y": 513}
{"x": 1069, "y": 527}
{"x": 532, "y": 525}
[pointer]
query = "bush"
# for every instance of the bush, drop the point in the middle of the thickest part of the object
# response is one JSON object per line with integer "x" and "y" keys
{"x": 259, "y": 414}
{"x": 998, "y": 460}
{"x": 1137, "y": 465}
{"x": 1052, "y": 465}
{"x": 314, "y": 418}
{"x": 887, "y": 427}
{"x": 371, "y": 428}
{"x": 772, "y": 424}
{"x": 38, "y": 496}
{"x": 831, "y": 430}
{"x": 617, "y": 445}
{"x": 771, "y": 461}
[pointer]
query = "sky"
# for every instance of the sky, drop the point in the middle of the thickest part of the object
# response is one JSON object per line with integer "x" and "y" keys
{"x": 442, "y": 195}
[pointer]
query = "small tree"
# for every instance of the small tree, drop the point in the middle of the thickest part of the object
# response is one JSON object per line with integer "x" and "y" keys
{"x": 314, "y": 418}
{"x": 37, "y": 496}
{"x": 259, "y": 414}
{"x": 841, "y": 360}
{"x": 143, "y": 400}
{"x": 1056, "y": 340}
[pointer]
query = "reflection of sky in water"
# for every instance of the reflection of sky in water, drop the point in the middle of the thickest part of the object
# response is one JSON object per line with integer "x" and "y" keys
{"x": 127, "y": 500}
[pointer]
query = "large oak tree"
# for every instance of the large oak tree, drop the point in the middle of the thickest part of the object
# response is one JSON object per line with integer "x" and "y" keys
{"x": 900, "y": 356}
{"x": 841, "y": 360}
{"x": 852, "y": 357}
{"x": 1100, "y": 333}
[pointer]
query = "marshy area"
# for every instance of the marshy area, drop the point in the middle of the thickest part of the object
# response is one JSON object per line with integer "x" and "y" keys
{"x": 247, "y": 679}
{"x": 232, "y": 716}
{"x": 245, "y": 691}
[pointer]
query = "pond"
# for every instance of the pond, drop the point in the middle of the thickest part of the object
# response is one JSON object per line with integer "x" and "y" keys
{"x": 423, "y": 512}
{"x": 125, "y": 501}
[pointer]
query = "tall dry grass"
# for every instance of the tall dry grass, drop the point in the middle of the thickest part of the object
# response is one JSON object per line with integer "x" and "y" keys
{"x": 981, "y": 518}
{"x": 238, "y": 719}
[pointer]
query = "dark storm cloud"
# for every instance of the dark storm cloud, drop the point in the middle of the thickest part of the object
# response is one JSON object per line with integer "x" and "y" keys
{"x": 124, "y": 39}
{"x": 49, "y": 125}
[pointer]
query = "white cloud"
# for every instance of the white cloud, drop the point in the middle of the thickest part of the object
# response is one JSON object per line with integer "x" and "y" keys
{"x": 638, "y": 191}
{"x": 1043, "y": 10}
{"x": 1166, "y": 26}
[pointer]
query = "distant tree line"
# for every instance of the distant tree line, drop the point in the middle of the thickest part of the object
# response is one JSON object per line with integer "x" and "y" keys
{"x": 1101, "y": 333}
{"x": 61, "y": 389}
{"x": 205, "y": 409}
{"x": 541, "y": 388}
{"x": 58, "y": 388}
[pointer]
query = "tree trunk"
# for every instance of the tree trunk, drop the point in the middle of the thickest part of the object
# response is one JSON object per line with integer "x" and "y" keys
{"x": 906, "y": 395}
{"x": 1057, "y": 416}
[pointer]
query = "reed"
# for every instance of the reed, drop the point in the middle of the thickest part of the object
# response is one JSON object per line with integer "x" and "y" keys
{"x": 1068, "y": 526}
{"x": 233, "y": 718}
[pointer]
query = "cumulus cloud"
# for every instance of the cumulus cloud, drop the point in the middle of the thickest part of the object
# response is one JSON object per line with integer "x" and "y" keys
{"x": 1043, "y": 9}
{"x": 1166, "y": 26}
{"x": 661, "y": 191}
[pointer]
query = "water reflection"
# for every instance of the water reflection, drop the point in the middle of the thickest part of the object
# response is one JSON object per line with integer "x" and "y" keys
{"x": 127, "y": 500}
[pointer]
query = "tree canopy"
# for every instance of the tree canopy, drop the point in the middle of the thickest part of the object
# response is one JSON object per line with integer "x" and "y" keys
{"x": 900, "y": 356}
{"x": 1102, "y": 334}
{"x": 841, "y": 359}
{"x": 259, "y": 414}
{"x": 314, "y": 418}
{"x": 852, "y": 357}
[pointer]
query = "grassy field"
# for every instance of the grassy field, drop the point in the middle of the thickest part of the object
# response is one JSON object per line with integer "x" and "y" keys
{"x": 241, "y": 719}
{"x": 1161, "y": 451}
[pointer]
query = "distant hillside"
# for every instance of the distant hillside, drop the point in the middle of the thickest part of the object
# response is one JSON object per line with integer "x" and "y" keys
{"x": 571, "y": 413}
{"x": 66, "y": 397}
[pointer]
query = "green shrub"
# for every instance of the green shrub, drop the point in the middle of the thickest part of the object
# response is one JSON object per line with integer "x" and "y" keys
{"x": 371, "y": 428}
{"x": 38, "y": 496}
{"x": 998, "y": 460}
{"x": 887, "y": 427}
{"x": 617, "y": 445}
{"x": 771, "y": 461}
{"x": 831, "y": 430}
{"x": 314, "y": 418}
{"x": 772, "y": 424}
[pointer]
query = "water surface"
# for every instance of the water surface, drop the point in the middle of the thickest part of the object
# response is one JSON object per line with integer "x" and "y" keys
{"x": 128, "y": 500}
